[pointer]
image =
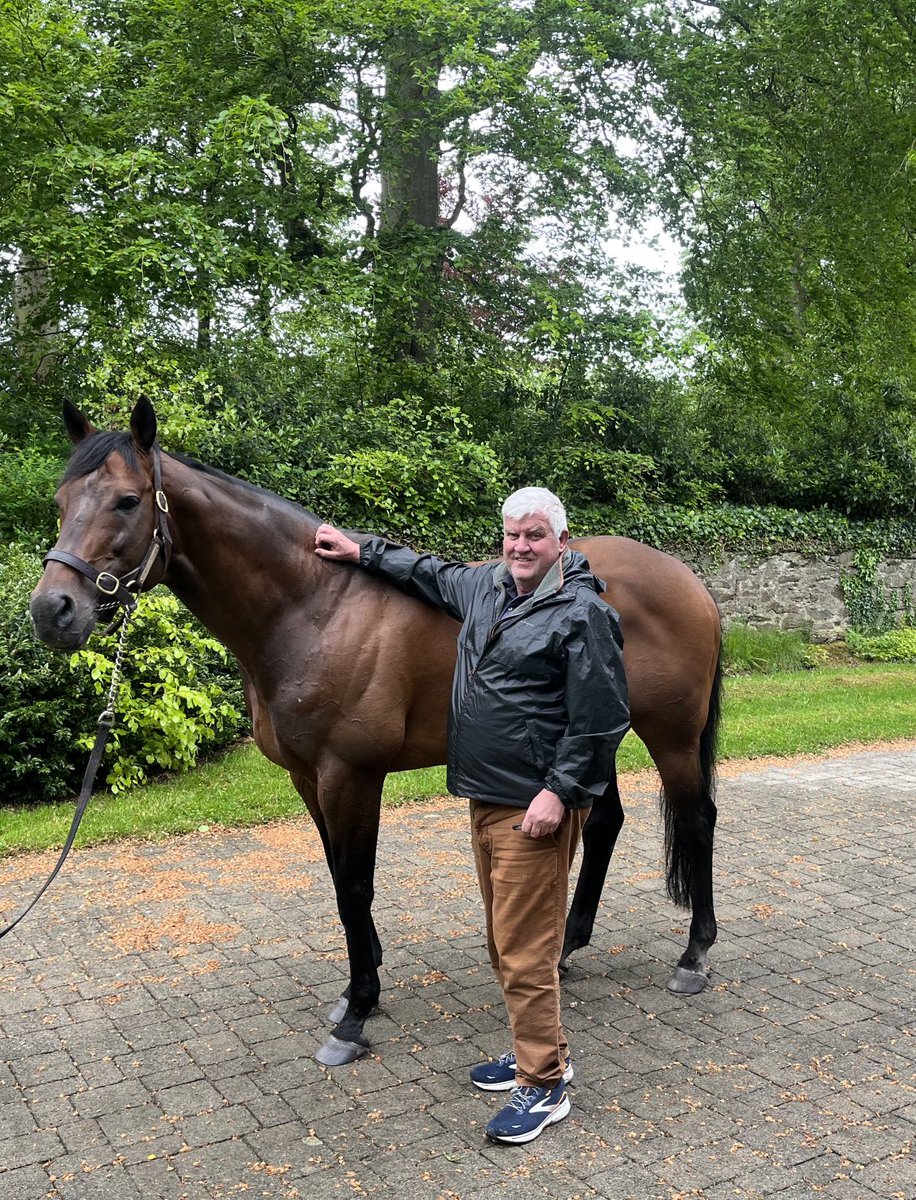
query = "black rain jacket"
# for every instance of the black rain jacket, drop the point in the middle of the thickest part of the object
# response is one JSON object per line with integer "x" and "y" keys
{"x": 539, "y": 696}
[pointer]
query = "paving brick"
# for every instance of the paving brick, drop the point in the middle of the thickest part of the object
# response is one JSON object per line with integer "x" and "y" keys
{"x": 103, "y": 1182}
{"x": 17, "y": 1120}
{"x": 226, "y": 1122}
{"x": 28, "y": 1149}
{"x": 189, "y": 1098}
{"x": 112, "y": 1098}
{"x": 188, "y": 1072}
{"x": 25, "y": 1182}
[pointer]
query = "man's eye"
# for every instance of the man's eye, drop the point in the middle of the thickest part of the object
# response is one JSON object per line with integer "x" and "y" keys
{"x": 128, "y": 503}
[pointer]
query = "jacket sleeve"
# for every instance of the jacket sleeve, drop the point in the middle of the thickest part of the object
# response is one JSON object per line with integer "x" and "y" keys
{"x": 597, "y": 710}
{"x": 449, "y": 586}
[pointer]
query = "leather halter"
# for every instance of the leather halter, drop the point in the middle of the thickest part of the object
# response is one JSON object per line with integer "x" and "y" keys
{"x": 124, "y": 589}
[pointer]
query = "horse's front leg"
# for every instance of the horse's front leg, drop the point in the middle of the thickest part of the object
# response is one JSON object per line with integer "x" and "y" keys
{"x": 349, "y": 802}
{"x": 307, "y": 787}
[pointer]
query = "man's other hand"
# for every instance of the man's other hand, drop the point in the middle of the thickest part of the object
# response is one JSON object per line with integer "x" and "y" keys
{"x": 544, "y": 814}
{"x": 331, "y": 543}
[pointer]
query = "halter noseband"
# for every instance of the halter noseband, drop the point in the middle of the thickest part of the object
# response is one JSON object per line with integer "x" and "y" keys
{"x": 124, "y": 589}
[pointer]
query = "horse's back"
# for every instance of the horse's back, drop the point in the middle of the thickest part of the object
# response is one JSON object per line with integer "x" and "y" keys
{"x": 671, "y": 626}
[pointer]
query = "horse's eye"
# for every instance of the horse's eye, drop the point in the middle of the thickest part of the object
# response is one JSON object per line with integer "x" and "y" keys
{"x": 128, "y": 503}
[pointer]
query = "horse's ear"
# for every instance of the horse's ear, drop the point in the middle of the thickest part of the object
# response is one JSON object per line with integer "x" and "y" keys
{"x": 77, "y": 425}
{"x": 143, "y": 424}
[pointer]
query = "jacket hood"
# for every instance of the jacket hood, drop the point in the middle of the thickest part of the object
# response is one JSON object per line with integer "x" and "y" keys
{"x": 577, "y": 572}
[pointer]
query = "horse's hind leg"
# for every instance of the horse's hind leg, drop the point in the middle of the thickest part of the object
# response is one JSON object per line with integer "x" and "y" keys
{"x": 599, "y": 837}
{"x": 690, "y": 820}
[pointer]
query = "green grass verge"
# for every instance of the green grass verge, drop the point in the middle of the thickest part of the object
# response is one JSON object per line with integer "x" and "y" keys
{"x": 798, "y": 712}
{"x": 746, "y": 649}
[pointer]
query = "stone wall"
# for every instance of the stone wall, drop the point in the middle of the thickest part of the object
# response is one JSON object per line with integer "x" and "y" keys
{"x": 794, "y": 591}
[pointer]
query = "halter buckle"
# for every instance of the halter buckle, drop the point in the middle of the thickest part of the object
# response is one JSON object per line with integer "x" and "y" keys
{"x": 104, "y": 587}
{"x": 162, "y": 501}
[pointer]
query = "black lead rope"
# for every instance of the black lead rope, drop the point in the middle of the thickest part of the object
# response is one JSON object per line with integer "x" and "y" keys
{"x": 105, "y": 723}
{"x": 92, "y": 768}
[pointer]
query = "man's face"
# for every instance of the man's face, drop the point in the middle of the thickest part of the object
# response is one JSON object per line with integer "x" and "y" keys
{"x": 530, "y": 548}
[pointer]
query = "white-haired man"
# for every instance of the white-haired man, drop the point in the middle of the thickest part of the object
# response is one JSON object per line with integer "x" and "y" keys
{"x": 538, "y": 708}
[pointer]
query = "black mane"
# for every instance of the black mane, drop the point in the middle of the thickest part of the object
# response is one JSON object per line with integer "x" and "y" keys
{"x": 237, "y": 481}
{"x": 93, "y": 451}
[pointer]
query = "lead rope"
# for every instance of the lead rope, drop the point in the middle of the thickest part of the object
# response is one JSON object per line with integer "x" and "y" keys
{"x": 104, "y": 726}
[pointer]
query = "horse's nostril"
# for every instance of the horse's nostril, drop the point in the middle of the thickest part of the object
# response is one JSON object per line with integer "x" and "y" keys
{"x": 63, "y": 611}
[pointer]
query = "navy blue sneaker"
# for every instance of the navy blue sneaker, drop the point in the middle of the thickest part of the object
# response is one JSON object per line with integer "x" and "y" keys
{"x": 530, "y": 1109}
{"x": 499, "y": 1076}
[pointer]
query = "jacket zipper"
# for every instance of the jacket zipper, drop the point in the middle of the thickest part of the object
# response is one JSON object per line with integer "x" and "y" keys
{"x": 497, "y": 628}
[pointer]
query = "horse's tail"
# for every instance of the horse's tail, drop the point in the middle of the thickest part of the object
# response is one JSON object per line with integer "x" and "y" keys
{"x": 685, "y": 829}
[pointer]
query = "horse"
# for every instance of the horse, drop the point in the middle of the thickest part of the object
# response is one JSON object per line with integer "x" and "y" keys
{"x": 346, "y": 678}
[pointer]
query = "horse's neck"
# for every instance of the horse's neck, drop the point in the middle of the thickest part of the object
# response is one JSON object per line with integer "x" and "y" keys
{"x": 240, "y": 556}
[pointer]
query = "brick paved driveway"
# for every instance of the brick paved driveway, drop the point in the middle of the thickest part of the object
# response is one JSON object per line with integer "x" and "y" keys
{"x": 160, "y": 1010}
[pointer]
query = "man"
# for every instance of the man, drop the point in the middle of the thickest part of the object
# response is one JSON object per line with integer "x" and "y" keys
{"x": 538, "y": 708}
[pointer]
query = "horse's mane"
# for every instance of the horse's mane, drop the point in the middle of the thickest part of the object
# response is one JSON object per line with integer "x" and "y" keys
{"x": 92, "y": 451}
{"x": 236, "y": 481}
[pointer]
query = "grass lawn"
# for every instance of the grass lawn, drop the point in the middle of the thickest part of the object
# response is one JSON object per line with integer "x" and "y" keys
{"x": 797, "y": 712}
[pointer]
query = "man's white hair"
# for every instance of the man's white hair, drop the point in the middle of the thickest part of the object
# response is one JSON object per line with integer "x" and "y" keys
{"x": 530, "y": 500}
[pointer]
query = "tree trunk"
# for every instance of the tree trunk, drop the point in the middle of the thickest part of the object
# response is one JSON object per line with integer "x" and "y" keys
{"x": 36, "y": 323}
{"x": 410, "y": 137}
{"x": 409, "y": 259}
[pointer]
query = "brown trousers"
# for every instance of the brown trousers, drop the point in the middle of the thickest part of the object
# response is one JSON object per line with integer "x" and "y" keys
{"x": 525, "y": 883}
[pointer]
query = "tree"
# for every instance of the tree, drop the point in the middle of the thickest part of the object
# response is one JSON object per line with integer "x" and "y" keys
{"x": 786, "y": 154}
{"x": 187, "y": 171}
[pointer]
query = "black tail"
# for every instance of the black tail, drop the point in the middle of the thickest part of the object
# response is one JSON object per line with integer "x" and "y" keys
{"x": 683, "y": 829}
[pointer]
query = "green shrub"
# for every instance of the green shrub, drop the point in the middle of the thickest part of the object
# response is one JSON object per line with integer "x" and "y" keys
{"x": 179, "y": 696}
{"x": 412, "y": 471}
{"x": 43, "y": 706}
{"x": 872, "y": 607}
{"x": 896, "y": 645}
{"x": 172, "y": 701}
{"x": 746, "y": 649}
{"x": 28, "y": 480}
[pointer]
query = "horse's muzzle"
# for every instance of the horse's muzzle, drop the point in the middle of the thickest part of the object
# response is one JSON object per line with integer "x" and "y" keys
{"x": 59, "y": 620}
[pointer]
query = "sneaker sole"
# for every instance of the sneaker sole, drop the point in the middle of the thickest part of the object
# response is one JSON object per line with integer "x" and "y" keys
{"x": 561, "y": 1111}
{"x": 510, "y": 1083}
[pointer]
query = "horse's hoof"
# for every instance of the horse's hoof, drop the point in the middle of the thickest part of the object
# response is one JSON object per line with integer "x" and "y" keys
{"x": 687, "y": 982}
{"x": 563, "y": 966}
{"x": 338, "y": 1012}
{"x": 335, "y": 1053}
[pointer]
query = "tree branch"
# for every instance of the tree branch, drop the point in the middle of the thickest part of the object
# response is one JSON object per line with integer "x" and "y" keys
{"x": 456, "y": 212}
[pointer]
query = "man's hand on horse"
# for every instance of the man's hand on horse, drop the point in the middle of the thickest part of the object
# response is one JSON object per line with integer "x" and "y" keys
{"x": 331, "y": 543}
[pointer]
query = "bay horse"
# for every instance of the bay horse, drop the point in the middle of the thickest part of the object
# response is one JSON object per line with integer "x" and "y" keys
{"x": 347, "y": 679}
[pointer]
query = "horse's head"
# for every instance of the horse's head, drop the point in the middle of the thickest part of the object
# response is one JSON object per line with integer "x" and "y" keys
{"x": 112, "y": 520}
